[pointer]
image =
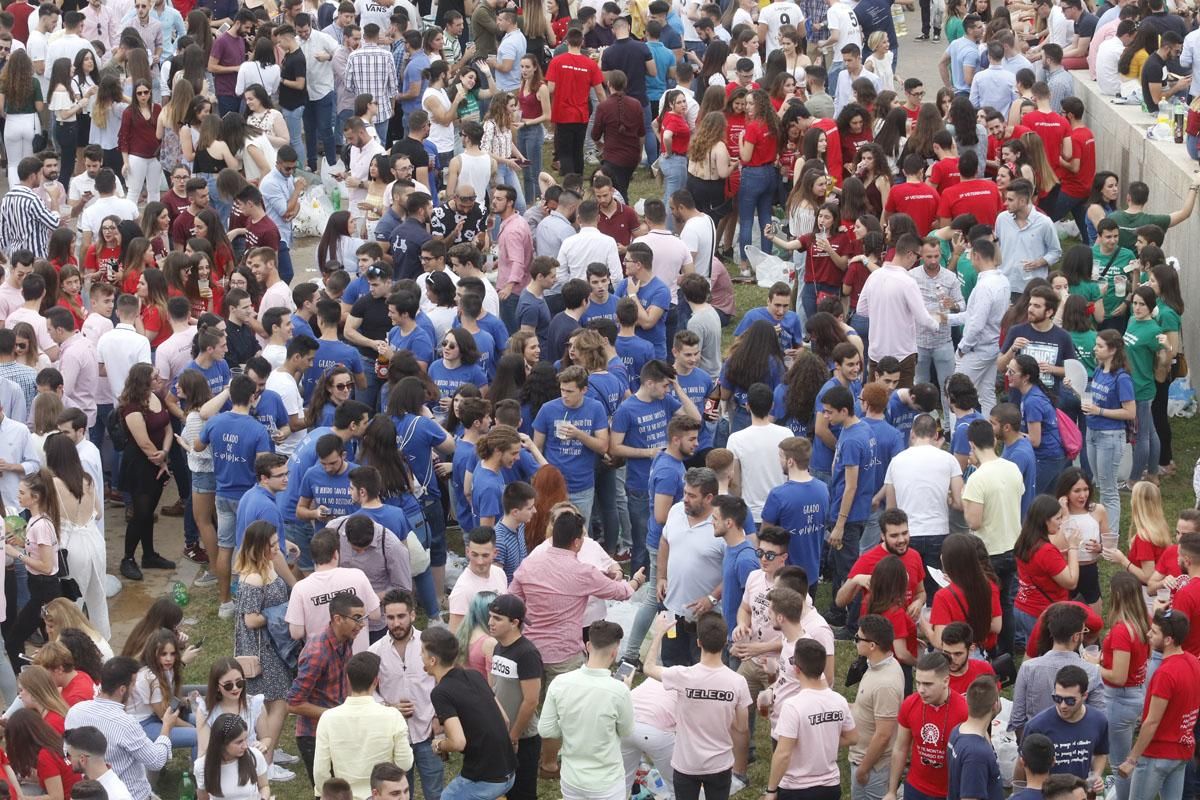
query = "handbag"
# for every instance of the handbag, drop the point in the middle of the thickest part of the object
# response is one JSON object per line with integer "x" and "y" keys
{"x": 66, "y": 584}
{"x": 251, "y": 665}
{"x": 856, "y": 671}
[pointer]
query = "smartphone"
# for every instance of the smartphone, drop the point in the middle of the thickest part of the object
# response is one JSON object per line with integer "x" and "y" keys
{"x": 197, "y": 643}
{"x": 173, "y": 703}
{"x": 625, "y": 671}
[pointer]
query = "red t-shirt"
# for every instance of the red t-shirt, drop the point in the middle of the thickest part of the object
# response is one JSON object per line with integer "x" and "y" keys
{"x": 54, "y": 765}
{"x": 1177, "y": 680}
{"x": 918, "y": 200}
{"x": 1051, "y": 128}
{"x": 950, "y": 605}
{"x": 102, "y": 261}
{"x": 573, "y": 76}
{"x": 1141, "y": 550}
{"x": 77, "y": 310}
{"x": 200, "y": 305}
{"x": 855, "y": 278}
{"x": 944, "y": 174}
{"x": 181, "y": 226}
{"x": 821, "y": 268}
{"x": 902, "y": 627}
{"x": 1083, "y": 146}
{"x": 172, "y": 201}
{"x": 79, "y": 689}
{"x": 152, "y": 320}
{"x": 975, "y": 668}
{"x": 930, "y": 727}
{"x": 766, "y": 146}
{"x": 833, "y": 150}
{"x": 130, "y": 282}
{"x": 263, "y": 233}
{"x": 1036, "y": 588}
{"x": 852, "y": 143}
{"x": 1094, "y": 622}
{"x": 733, "y": 86}
{"x": 56, "y": 721}
{"x": 1120, "y": 638}
{"x": 734, "y": 125}
{"x": 681, "y": 134}
{"x": 976, "y": 196}
{"x": 620, "y": 226}
{"x": 913, "y": 564}
{"x": 1187, "y": 602}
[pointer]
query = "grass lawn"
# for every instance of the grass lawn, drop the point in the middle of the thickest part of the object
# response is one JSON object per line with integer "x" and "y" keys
{"x": 218, "y": 634}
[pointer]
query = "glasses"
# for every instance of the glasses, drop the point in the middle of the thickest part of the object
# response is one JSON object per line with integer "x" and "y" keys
{"x": 21, "y": 346}
{"x": 179, "y": 177}
{"x": 142, "y": 91}
{"x": 1059, "y": 700}
{"x": 342, "y": 386}
{"x": 767, "y": 554}
{"x": 862, "y": 640}
{"x": 277, "y": 475}
{"x": 229, "y": 686}
{"x": 358, "y": 619}
{"x": 426, "y": 258}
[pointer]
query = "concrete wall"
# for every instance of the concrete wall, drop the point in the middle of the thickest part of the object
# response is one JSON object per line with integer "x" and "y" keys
{"x": 1122, "y": 147}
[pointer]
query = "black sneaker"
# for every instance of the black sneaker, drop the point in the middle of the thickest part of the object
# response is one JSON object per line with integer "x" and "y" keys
{"x": 129, "y": 569}
{"x": 924, "y": 37}
{"x": 155, "y": 561}
{"x": 937, "y": 37}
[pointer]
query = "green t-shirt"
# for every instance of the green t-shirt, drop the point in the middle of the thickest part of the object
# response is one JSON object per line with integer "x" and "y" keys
{"x": 1131, "y": 222}
{"x": 965, "y": 272}
{"x": 954, "y": 29}
{"x": 1105, "y": 274}
{"x": 1088, "y": 290}
{"x": 1141, "y": 346}
{"x": 30, "y": 105}
{"x": 1167, "y": 318}
{"x": 1085, "y": 344}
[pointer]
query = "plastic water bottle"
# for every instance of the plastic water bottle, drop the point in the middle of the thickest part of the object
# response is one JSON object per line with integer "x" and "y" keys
{"x": 179, "y": 592}
{"x": 335, "y": 198}
{"x": 1179, "y": 120}
{"x": 187, "y": 788}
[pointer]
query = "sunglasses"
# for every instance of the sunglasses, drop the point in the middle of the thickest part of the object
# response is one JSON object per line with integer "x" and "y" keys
{"x": 229, "y": 686}
{"x": 862, "y": 640}
{"x": 767, "y": 554}
{"x": 342, "y": 386}
{"x": 1059, "y": 700}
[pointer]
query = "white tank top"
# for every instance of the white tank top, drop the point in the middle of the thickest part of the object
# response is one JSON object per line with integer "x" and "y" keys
{"x": 442, "y": 136}
{"x": 1089, "y": 528}
{"x": 476, "y": 171}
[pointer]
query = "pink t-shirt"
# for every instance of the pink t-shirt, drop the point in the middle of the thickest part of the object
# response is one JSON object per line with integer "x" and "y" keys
{"x": 40, "y": 531}
{"x": 758, "y": 584}
{"x": 469, "y": 584}
{"x": 787, "y": 685}
{"x": 708, "y": 701}
{"x": 816, "y": 719}
{"x": 309, "y": 603}
{"x": 653, "y": 705}
{"x": 36, "y": 321}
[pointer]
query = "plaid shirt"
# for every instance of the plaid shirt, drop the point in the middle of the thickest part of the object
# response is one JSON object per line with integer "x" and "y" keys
{"x": 320, "y": 677}
{"x": 371, "y": 70}
{"x": 815, "y": 11}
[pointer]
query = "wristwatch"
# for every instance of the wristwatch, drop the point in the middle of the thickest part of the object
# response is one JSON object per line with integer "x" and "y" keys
{"x": 712, "y": 601}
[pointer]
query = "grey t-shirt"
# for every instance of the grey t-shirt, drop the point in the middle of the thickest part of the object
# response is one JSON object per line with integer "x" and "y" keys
{"x": 1035, "y": 684}
{"x": 707, "y": 325}
{"x": 510, "y": 665}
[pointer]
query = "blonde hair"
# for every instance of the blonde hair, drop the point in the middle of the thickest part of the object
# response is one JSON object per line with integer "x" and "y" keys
{"x": 41, "y": 687}
{"x": 64, "y": 614}
{"x": 875, "y": 39}
{"x": 1146, "y": 515}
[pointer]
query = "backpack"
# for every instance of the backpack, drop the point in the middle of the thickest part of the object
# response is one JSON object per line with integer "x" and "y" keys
{"x": 117, "y": 432}
{"x": 1068, "y": 433}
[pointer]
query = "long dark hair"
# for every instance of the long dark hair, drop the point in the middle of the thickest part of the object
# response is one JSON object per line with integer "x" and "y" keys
{"x": 25, "y": 737}
{"x": 510, "y": 377}
{"x": 84, "y": 652}
{"x": 163, "y": 613}
{"x": 227, "y": 728}
{"x": 60, "y": 75}
{"x": 962, "y": 567}
{"x": 322, "y": 394}
{"x": 1035, "y": 531}
{"x": 765, "y": 113}
{"x": 1168, "y": 286}
{"x": 889, "y": 583}
{"x": 965, "y": 121}
{"x": 541, "y": 386}
{"x": 158, "y": 641}
{"x": 378, "y": 449}
{"x": 754, "y": 357}
{"x": 62, "y": 459}
{"x": 337, "y": 227}
{"x": 212, "y": 697}
{"x": 807, "y": 375}
{"x": 824, "y": 333}
{"x": 1077, "y": 264}
{"x": 16, "y": 79}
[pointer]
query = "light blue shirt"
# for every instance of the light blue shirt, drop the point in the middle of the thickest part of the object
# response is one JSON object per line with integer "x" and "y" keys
{"x": 1036, "y": 239}
{"x": 1016, "y": 62}
{"x": 512, "y": 46}
{"x": 172, "y": 26}
{"x": 1189, "y": 58}
{"x": 276, "y": 192}
{"x": 995, "y": 87}
{"x": 985, "y": 310}
{"x": 962, "y": 51}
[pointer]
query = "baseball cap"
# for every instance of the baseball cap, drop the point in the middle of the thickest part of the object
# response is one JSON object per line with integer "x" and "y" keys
{"x": 510, "y": 606}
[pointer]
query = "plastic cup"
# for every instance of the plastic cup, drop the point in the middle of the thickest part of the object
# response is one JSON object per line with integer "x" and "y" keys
{"x": 1092, "y": 650}
{"x": 559, "y": 424}
{"x": 1164, "y": 594}
{"x": 1109, "y": 540}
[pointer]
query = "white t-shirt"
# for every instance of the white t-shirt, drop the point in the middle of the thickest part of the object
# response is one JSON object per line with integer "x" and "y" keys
{"x": 114, "y": 786}
{"x": 253, "y": 72}
{"x": 775, "y": 16}
{"x": 921, "y": 476}
{"x": 229, "y": 778}
{"x": 704, "y": 715}
{"x": 841, "y": 18}
{"x": 279, "y": 294}
{"x": 1062, "y": 30}
{"x": 1108, "y": 77}
{"x": 469, "y": 584}
{"x": 700, "y": 235}
{"x": 35, "y": 46}
{"x": 275, "y": 354}
{"x": 120, "y": 207}
{"x": 308, "y": 604}
{"x": 369, "y": 12}
{"x": 83, "y": 183}
{"x": 757, "y": 451}
{"x": 288, "y": 390}
{"x": 144, "y": 692}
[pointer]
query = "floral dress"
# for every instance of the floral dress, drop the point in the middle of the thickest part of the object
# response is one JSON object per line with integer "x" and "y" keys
{"x": 276, "y": 678}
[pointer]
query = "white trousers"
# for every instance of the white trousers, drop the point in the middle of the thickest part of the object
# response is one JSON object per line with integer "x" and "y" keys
{"x": 144, "y": 172}
{"x": 652, "y": 743}
{"x": 86, "y": 558}
{"x": 19, "y": 130}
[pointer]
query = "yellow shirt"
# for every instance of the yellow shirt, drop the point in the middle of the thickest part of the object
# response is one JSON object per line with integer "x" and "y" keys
{"x": 360, "y": 733}
{"x": 997, "y": 486}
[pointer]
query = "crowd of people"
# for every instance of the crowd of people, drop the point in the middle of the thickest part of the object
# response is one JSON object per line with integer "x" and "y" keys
{"x": 496, "y": 339}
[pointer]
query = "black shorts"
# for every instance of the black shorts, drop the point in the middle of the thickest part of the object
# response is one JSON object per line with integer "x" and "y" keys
{"x": 1088, "y": 588}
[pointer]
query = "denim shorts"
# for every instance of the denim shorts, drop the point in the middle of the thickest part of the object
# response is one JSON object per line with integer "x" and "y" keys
{"x": 204, "y": 483}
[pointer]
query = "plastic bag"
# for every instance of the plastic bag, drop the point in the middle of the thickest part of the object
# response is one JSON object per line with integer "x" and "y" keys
{"x": 313, "y": 213}
{"x": 1181, "y": 398}
{"x": 769, "y": 270}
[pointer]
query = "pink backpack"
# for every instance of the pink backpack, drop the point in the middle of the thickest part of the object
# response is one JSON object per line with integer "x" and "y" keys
{"x": 1068, "y": 433}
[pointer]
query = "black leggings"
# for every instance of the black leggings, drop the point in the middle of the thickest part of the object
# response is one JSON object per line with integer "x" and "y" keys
{"x": 42, "y": 589}
{"x": 569, "y": 138}
{"x": 709, "y": 196}
{"x": 1162, "y": 422}
{"x": 716, "y": 785}
{"x": 140, "y": 478}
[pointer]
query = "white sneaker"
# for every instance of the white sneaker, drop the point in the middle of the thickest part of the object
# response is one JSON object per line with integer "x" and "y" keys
{"x": 226, "y": 610}
{"x": 278, "y": 773}
{"x": 283, "y": 757}
{"x": 205, "y": 578}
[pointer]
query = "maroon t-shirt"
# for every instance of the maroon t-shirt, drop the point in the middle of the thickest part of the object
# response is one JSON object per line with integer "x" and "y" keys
{"x": 181, "y": 226}
{"x": 263, "y": 233}
{"x": 174, "y": 204}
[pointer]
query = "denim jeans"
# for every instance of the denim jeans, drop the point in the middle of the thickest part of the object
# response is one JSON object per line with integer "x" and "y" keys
{"x": 845, "y": 556}
{"x": 339, "y": 137}
{"x": 301, "y": 533}
{"x": 181, "y": 736}
{"x": 429, "y": 766}
{"x": 435, "y": 516}
{"x": 1146, "y": 446}
{"x": 318, "y": 126}
{"x": 227, "y": 103}
{"x": 508, "y": 312}
{"x": 462, "y": 789}
{"x": 930, "y": 550}
{"x": 286, "y": 271}
{"x": 648, "y": 597}
{"x": 715, "y": 785}
{"x": 611, "y": 508}
{"x": 218, "y": 203}
{"x": 755, "y": 194}
{"x": 941, "y": 358}
{"x": 183, "y": 482}
{"x": 1023, "y": 623}
{"x": 638, "y": 501}
{"x": 1124, "y": 712}
{"x": 67, "y": 136}
{"x": 1048, "y": 470}
{"x": 226, "y": 522}
{"x": 1104, "y": 450}
{"x": 1005, "y": 567}
{"x": 651, "y": 141}
{"x": 674, "y": 172}
{"x": 506, "y": 177}
{"x": 369, "y": 394}
{"x": 530, "y": 141}
{"x": 294, "y": 117}
{"x": 1158, "y": 777}
{"x": 584, "y": 500}
{"x": 809, "y": 292}
{"x": 877, "y": 782}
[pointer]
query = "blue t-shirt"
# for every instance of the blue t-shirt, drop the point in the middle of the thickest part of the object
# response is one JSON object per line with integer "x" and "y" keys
{"x": 900, "y": 415}
{"x": 698, "y": 385}
{"x": 416, "y": 436}
{"x": 416, "y": 341}
{"x": 493, "y": 325}
{"x": 634, "y": 352}
{"x": 417, "y": 63}
{"x": 741, "y": 393}
{"x": 1027, "y": 794}
{"x": 327, "y": 415}
{"x": 856, "y": 447}
{"x": 605, "y": 310}
{"x": 653, "y": 293}
{"x": 330, "y": 354}
{"x": 959, "y": 445}
{"x": 644, "y": 425}
{"x": 888, "y": 443}
{"x": 822, "y": 455}
{"x": 1074, "y": 742}
{"x": 800, "y": 509}
{"x": 269, "y": 410}
{"x": 259, "y": 504}
{"x": 487, "y": 493}
{"x": 799, "y": 427}
{"x": 448, "y": 380}
{"x": 1110, "y": 390}
{"x": 607, "y": 389}
{"x": 1036, "y": 407}
{"x": 356, "y": 289}
{"x": 790, "y": 329}
{"x": 489, "y": 353}
{"x": 465, "y": 459}
{"x": 218, "y": 375}
{"x": 738, "y": 563}
{"x": 522, "y": 469}
{"x": 510, "y": 548}
{"x": 331, "y": 491}
{"x": 533, "y": 311}
{"x": 666, "y": 478}
{"x": 974, "y": 770}
{"x": 391, "y": 518}
{"x": 1020, "y": 453}
{"x": 574, "y": 459}
{"x": 300, "y": 327}
{"x": 664, "y": 60}
{"x": 303, "y": 458}
{"x": 235, "y": 440}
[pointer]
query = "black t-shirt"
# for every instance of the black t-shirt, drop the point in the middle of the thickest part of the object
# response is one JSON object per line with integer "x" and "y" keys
{"x": 1086, "y": 25}
{"x": 517, "y": 662}
{"x": 293, "y": 68}
{"x": 1052, "y": 347}
{"x": 1153, "y": 71}
{"x": 445, "y": 219}
{"x": 241, "y": 343}
{"x": 413, "y": 149}
{"x": 373, "y": 311}
{"x": 464, "y": 693}
{"x": 630, "y": 56}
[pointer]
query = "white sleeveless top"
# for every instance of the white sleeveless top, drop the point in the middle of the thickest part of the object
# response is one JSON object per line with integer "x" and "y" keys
{"x": 1089, "y": 528}
{"x": 442, "y": 136}
{"x": 476, "y": 171}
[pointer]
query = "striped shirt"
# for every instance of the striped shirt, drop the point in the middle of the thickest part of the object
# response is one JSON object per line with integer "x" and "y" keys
{"x": 27, "y": 222}
{"x": 371, "y": 70}
{"x": 130, "y": 752}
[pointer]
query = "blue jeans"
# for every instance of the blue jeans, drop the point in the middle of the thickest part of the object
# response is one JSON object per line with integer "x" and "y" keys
{"x": 941, "y": 359}
{"x": 638, "y": 501}
{"x": 1158, "y": 777}
{"x": 436, "y": 518}
{"x": 1023, "y": 623}
{"x": 506, "y": 177}
{"x": 180, "y": 736}
{"x": 1048, "y": 470}
{"x": 294, "y": 117}
{"x": 284, "y": 259}
{"x": 1146, "y": 447}
{"x": 648, "y": 608}
{"x": 845, "y": 556}
{"x": 96, "y": 434}
{"x": 318, "y": 126}
{"x": 226, "y": 522}
{"x": 609, "y": 507}
{"x": 530, "y": 141}
{"x": 508, "y": 312}
{"x": 674, "y": 172}
{"x": 301, "y": 532}
{"x": 755, "y": 194}
{"x": 429, "y": 766}
{"x": 809, "y": 292}
{"x": 739, "y": 420}
{"x": 1104, "y": 450}
{"x": 584, "y": 500}
{"x": 462, "y": 789}
{"x": 339, "y": 137}
{"x": 219, "y": 204}
{"x": 370, "y": 393}
{"x": 1124, "y": 713}
{"x": 651, "y": 141}
{"x": 930, "y": 550}
{"x": 381, "y": 128}
{"x": 227, "y": 103}
{"x": 1005, "y": 567}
